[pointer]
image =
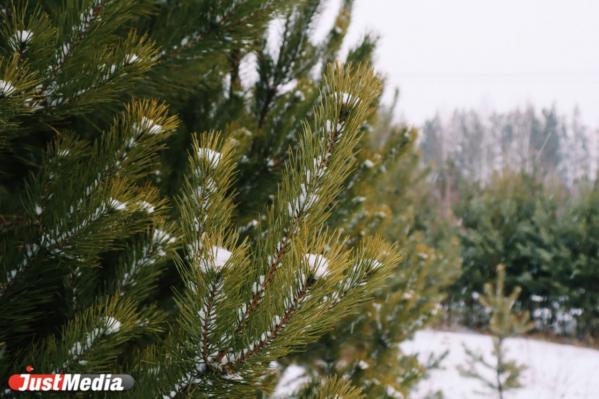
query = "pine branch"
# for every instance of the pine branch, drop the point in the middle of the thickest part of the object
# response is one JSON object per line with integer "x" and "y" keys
{"x": 313, "y": 171}
{"x": 278, "y": 324}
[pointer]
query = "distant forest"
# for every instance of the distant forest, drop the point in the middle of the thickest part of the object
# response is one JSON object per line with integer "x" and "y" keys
{"x": 520, "y": 188}
{"x": 544, "y": 143}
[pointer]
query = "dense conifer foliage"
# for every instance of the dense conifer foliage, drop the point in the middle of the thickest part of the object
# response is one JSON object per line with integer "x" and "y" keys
{"x": 164, "y": 214}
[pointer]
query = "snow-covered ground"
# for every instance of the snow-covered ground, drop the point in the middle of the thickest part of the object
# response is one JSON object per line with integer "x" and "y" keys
{"x": 554, "y": 371}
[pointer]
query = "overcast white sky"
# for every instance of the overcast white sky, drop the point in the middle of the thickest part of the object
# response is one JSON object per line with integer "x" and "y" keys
{"x": 486, "y": 54}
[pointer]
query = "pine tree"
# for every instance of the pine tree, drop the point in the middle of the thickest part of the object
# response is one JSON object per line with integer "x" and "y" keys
{"x": 158, "y": 217}
{"x": 392, "y": 198}
{"x": 505, "y": 322}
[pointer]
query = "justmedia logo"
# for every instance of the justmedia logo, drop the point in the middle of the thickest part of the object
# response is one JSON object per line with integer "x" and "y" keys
{"x": 69, "y": 382}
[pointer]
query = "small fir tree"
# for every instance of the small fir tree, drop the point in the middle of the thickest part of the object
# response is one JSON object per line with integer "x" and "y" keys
{"x": 505, "y": 322}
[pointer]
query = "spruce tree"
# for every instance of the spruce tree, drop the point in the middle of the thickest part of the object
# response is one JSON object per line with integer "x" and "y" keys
{"x": 579, "y": 266}
{"x": 513, "y": 220}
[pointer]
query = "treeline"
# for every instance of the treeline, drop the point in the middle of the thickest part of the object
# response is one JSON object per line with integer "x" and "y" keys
{"x": 543, "y": 142}
{"x": 518, "y": 189}
{"x": 549, "y": 240}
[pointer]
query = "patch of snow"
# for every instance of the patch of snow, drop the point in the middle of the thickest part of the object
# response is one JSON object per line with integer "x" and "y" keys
{"x": 292, "y": 380}
{"x": 374, "y": 264}
{"x": 332, "y": 127}
{"x": 6, "y": 88}
{"x": 318, "y": 264}
{"x": 554, "y": 371}
{"x": 217, "y": 259}
{"x": 132, "y": 58}
{"x": 161, "y": 236}
{"x": 21, "y": 37}
{"x": 368, "y": 163}
{"x": 363, "y": 364}
{"x": 288, "y": 87}
{"x": 346, "y": 98}
{"x": 393, "y": 393}
{"x": 147, "y": 125}
{"x": 24, "y": 36}
{"x": 146, "y": 206}
{"x": 212, "y": 156}
{"x": 537, "y": 298}
{"x": 302, "y": 203}
{"x": 117, "y": 205}
{"x": 112, "y": 325}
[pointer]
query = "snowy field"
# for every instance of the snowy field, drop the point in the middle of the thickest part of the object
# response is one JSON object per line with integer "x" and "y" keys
{"x": 554, "y": 371}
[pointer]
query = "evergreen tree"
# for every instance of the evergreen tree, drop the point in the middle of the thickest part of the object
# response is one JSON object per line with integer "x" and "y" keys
{"x": 579, "y": 271}
{"x": 394, "y": 199}
{"x": 505, "y": 322}
{"x": 514, "y": 220}
{"x": 163, "y": 218}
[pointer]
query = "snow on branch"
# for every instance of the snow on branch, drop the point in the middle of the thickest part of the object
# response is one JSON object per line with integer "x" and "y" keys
{"x": 20, "y": 39}
{"x": 356, "y": 277}
{"x": 302, "y": 203}
{"x": 292, "y": 302}
{"x": 319, "y": 265}
{"x": 86, "y": 19}
{"x": 149, "y": 254}
{"x": 6, "y": 88}
{"x": 54, "y": 238}
{"x": 147, "y": 125}
{"x": 207, "y": 318}
{"x": 346, "y": 98}
{"x": 215, "y": 260}
{"x": 108, "y": 325}
{"x": 212, "y": 156}
{"x": 311, "y": 184}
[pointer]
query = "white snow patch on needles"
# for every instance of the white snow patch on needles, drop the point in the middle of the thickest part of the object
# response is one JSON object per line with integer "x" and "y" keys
{"x": 6, "y": 88}
{"x": 318, "y": 264}
{"x": 212, "y": 156}
{"x": 216, "y": 259}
